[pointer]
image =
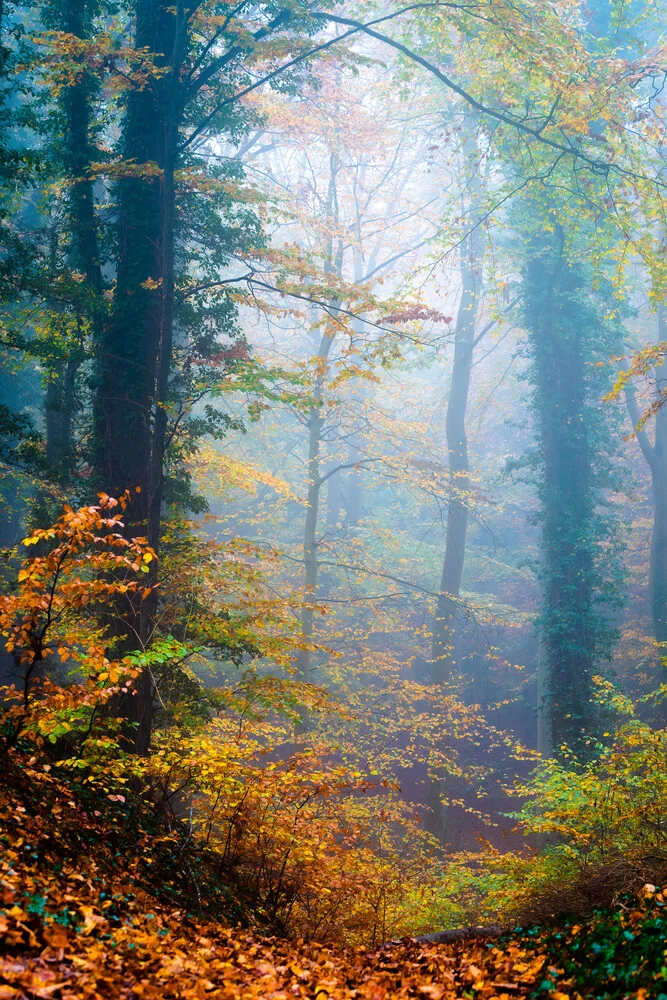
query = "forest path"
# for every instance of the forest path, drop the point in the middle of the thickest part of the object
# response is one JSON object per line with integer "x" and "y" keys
{"x": 151, "y": 959}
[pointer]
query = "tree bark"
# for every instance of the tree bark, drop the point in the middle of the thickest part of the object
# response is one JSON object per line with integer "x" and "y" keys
{"x": 333, "y": 264}
{"x": 562, "y": 323}
{"x": 83, "y": 256}
{"x": 315, "y": 423}
{"x": 458, "y": 460}
{"x": 137, "y": 341}
{"x": 658, "y": 566}
{"x": 656, "y": 458}
{"x": 442, "y": 643}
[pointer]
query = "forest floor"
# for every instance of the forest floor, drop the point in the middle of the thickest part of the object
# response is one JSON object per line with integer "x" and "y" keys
{"x": 84, "y": 913}
{"x": 150, "y": 960}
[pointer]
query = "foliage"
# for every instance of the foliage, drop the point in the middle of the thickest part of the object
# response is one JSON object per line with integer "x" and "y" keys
{"x": 613, "y": 952}
{"x": 304, "y": 835}
{"x": 48, "y": 621}
{"x": 79, "y": 916}
{"x": 600, "y": 827}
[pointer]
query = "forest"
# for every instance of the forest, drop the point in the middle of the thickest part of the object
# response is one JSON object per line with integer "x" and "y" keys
{"x": 333, "y": 499}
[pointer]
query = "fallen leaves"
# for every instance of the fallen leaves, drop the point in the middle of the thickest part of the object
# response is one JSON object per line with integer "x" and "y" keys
{"x": 179, "y": 961}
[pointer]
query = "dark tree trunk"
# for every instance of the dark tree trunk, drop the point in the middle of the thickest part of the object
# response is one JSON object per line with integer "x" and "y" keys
{"x": 333, "y": 264}
{"x": 311, "y": 566}
{"x": 656, "y": 459}
{"x": 76, "y": 101}
{"x": 658, "y": 566}
{"x": 80, "y": 153}
{"x": 137, "y": 342}
{"x": 561, "y": 323}
{"x": 59, "y": 413}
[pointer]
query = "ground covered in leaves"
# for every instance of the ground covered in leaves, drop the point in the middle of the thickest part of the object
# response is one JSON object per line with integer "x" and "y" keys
{"x": 85, "y": 911}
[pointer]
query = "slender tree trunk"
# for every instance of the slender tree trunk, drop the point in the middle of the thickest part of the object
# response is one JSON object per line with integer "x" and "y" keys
{"x": 354, "y": 481}
{"x": 457, "y": 456}
{"x": 333, "y": 499}
{"x": 443, "y": 646}
{"x": 658, "y": 566}
{"x": 310, "y": 546}
{"x": 310, "y": 536}
{"x": 333, "y": 264}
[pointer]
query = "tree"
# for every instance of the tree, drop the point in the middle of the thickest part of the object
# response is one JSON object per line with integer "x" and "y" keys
{"x": 568, "y": 336}
{"x": 183, "y": 88}
{"x": 79, "y": 312}
{"x": 655, "y": 454}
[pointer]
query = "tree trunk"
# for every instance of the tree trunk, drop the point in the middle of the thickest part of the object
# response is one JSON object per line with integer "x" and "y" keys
{"x": 443, "y": 647}
{"x": 59, "y": 410}
{"x": 658, "y": 566}
{"x": 74, "y": 17}
{"x": 457, "y": 456}
{"x": 333, "y": 264}
{"x": 80, "y": 153}
{"x": 137, "y": 341}
{"x": 563, "y": 328}
{"x": 315, "y": 423}
{"x": 656, "y": 459}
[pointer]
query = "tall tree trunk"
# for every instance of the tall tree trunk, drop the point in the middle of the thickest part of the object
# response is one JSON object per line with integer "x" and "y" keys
{"x": 80, "y": 154}
{"x": 563, "y": 328}
{"x": 443, "y": 640}
{"x": 137, "y": 341}
{"x": 310, "y": 562}
{"x": 656, "y": 458}
{"x": 59, "y": 412}
{"x": 74, "y": 17}
{"x": 457, "y": 457}
{"x": 442, "y": 645}
{"x": 658, "y": 566}
{"x": 333, "y": 264}
{"x": 354, "y": 480}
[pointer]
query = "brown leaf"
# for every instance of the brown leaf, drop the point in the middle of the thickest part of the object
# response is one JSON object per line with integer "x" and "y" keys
{"x": 56, "y": 935}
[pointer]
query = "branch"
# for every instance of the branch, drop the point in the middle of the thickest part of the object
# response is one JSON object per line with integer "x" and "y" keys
{"x": 506, "y": 118}
{"x": 633, "y": 410}
{"x": 347, "y": 465}
{"x": 235, "y": 51}
{"x": 295, "y": 295}
{"x": 381, "y": 576}
{"x": 277, "y": 22}
{"x": 489, "y": 326}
